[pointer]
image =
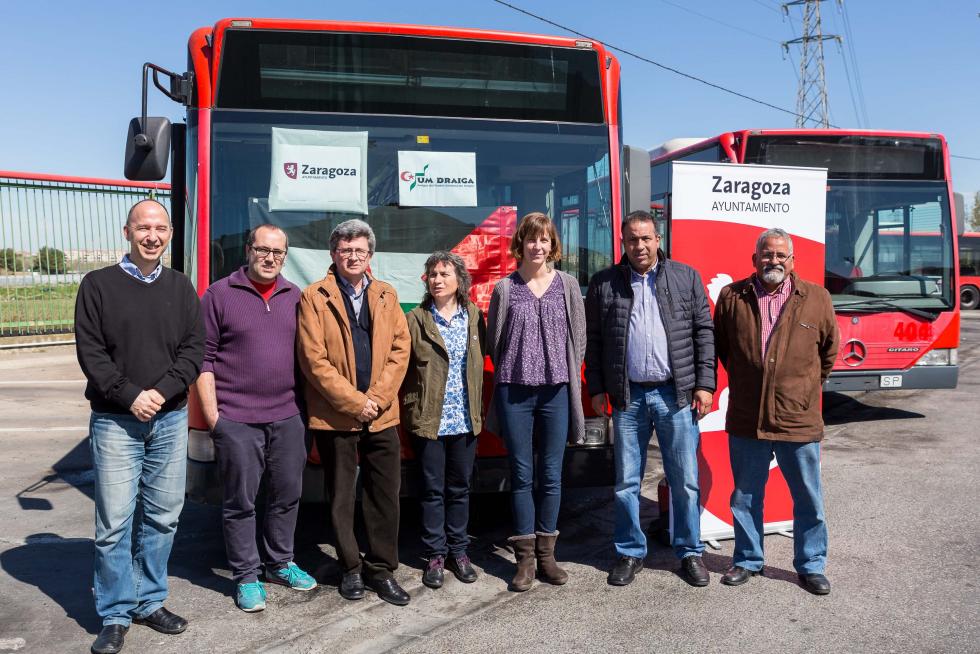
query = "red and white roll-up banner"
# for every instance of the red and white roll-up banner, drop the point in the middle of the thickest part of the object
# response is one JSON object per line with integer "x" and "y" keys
{"x": 717, "y": 212}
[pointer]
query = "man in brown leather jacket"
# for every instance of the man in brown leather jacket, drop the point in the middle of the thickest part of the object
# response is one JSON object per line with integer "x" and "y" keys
{"x": 353, "y": 347}
{"x": 777, "y": 337}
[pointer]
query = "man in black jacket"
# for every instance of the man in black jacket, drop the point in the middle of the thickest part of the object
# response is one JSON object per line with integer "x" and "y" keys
{"x": 140, "y": 342}
{"x": 650, "y": 349}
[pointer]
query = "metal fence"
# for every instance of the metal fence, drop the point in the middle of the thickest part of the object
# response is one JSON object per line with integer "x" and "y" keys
{"x": 53, "y": 230}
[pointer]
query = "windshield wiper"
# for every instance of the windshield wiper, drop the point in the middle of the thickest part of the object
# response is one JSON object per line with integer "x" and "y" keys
{"x": 870, "y": 303}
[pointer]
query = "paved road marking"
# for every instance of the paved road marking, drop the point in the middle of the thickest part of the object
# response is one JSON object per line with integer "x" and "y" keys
{"x": 35, "y": 382}
{"x": 69, "y": 428}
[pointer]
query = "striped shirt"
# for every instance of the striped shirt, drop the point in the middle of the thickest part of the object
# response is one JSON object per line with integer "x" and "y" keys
{"x": 131, "y": 268}
{"x": 770, "y": 306}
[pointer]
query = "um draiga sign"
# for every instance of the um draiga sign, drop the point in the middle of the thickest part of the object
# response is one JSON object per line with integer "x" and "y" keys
{"x": 436, "y": 179}
{"x": 314, "y": 170}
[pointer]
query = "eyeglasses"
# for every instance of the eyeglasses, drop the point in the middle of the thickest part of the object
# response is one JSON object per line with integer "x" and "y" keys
{"x": 778, "y": 257}
{"x": 263, "y": 252}
{"x": 346, "y": 253}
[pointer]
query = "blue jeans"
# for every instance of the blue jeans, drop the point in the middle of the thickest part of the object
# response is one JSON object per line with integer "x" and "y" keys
{"x": 527, "y": 412}
{"x": 140, "y": 468}
{"x": 679, "y": 437}
{"x": 800, "y": 465}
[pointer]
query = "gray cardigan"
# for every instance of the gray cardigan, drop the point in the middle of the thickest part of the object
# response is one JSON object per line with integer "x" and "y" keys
{"x": 575, "y": 349}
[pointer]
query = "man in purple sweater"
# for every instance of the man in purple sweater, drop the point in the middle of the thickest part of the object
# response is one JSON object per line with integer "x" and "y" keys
{"x": 248, "y": 392}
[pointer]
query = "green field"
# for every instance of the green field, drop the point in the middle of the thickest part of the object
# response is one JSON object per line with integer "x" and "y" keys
{"x": 37, "y": 309}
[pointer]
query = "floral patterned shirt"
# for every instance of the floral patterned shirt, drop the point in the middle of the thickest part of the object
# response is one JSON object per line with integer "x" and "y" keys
{"x": 536, "y": 336}
{"x": 455, "y": 406}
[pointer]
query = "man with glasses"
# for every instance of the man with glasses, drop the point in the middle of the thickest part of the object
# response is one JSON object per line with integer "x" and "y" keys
{"x": 353, "y": 349}
{"x": 139, "y": 342}
{"x": 249, "y": 397}
{"x": 777, "y": 337}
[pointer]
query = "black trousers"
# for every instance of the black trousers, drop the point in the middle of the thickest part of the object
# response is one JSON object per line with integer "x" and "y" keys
{"x": 245, "y": 452}
{"x": 379, "y": 455}
{"x": 447, "y": 467}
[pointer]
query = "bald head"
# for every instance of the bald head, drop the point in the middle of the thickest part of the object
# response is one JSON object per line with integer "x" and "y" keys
{"x": 148, "y": 231}
{"x": 148, "y": 205}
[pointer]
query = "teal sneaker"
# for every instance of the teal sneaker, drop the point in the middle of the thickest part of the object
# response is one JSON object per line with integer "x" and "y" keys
{"x": 291, "y": 576}
{"x": 251, "y": 597}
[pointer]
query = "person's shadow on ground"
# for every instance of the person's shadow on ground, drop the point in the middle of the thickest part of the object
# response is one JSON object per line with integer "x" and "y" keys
{"x": 61, "y": 568}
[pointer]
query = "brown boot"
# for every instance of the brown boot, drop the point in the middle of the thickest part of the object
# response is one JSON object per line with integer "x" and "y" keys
{"x": 548, "y": 570}
{"x": 524, "y": 553}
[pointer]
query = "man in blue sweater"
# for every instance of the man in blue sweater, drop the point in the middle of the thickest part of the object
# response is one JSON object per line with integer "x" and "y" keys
{"x": 248, "y": 394}
{"x": 140, "y": 342}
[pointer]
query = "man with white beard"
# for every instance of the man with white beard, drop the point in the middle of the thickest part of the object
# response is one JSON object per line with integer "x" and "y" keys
{"x": 777, "y": 337}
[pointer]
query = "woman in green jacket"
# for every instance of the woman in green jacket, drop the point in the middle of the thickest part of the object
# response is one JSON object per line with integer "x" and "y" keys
{"x": 442, "y": 400}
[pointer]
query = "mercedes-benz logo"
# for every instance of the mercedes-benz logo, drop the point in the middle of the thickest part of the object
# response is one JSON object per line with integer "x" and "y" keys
{"x": 854, "y": 352}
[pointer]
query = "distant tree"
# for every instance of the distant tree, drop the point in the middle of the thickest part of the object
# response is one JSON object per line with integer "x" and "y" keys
{"x": 50, "y": 261}
{"x": 975, "y": 214}
{"x": 11, "y": 261}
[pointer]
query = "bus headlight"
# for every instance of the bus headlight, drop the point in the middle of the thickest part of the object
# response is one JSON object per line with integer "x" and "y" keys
{"x": 200, "y": 447}
{"x": 946, "y": 357}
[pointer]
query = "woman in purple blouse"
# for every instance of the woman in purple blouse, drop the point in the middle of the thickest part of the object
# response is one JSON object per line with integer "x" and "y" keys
{"x": 536, "y": 340}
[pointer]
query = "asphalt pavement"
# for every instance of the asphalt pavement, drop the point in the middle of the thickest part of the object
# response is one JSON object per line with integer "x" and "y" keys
{"x": 902, "y": 504}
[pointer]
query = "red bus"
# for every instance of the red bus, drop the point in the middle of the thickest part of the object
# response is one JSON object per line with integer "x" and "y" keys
{"x": 895, "y": 296}
{"x": 969, "y": 270}
{"x": 533, "y": 122}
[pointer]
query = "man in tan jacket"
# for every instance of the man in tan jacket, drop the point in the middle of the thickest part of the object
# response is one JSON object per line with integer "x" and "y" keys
{"x": 353, "y": 347}
{"x": 777, "y": 337}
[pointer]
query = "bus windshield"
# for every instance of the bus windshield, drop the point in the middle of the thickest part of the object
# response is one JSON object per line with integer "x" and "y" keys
{"x": 559, "y": 168}
{"x": 889, "y": 242}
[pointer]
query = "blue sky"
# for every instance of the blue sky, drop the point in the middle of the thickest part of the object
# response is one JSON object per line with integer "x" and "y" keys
{"x": 70, "y": 72}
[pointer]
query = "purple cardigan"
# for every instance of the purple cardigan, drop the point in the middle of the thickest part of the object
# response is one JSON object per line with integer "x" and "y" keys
{"x": 251, "y": 348}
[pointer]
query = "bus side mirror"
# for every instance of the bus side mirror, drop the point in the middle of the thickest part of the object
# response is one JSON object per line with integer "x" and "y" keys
{"x": 960, "y": 213}
{"x": 147, "y": 149}
{"x": 636, "y": 165}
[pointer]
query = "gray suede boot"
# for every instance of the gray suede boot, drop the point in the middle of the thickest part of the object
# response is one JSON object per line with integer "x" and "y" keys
{"x": 548, "y": 570}
{"x": 524, "y": 553}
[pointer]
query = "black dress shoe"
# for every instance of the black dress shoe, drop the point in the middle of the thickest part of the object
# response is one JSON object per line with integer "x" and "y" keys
{"x": 433, "y": 575}
{"x": 624, "y": 571}
{"x": 815, "y": 583}
{"x": 389, "y": 590}
{"x": 163, "y": 621}
{"x": 352, "y": 586}
{"x": 694, "y": 571}
{"x": 462, "y": 567}
{"x": 737, "y": 575}
{"x": 110, "y": 639}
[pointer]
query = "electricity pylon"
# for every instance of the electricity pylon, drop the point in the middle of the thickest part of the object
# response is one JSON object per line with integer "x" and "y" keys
{"x": 812, "y": 109}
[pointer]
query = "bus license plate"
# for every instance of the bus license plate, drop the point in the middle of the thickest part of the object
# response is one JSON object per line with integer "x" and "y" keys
{"x": 891, "y": 381}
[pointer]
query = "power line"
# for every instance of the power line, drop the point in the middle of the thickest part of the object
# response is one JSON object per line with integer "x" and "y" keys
{"x": 792, "y": 63}
{"x": 720, "y": 22}
{"x": 647, "y": 59}
{"x": 849, "y": 36}
{"x": 850, "y": 86}
{"x": 776, "y": 7}
{"x": 767, "y": 6}
{"x": 960, "y": 156}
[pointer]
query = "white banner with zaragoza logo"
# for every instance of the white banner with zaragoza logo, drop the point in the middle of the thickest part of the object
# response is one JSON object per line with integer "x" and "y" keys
{"x": 314, "y": 170}
{"x": 436, "y": 179}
